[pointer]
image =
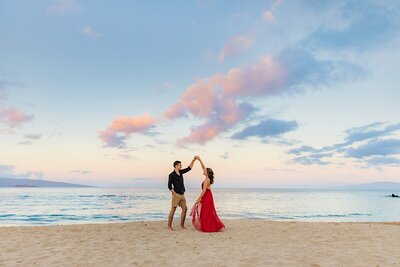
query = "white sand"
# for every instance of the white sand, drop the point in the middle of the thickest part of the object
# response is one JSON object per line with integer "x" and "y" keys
{"x": 243, "y": 243}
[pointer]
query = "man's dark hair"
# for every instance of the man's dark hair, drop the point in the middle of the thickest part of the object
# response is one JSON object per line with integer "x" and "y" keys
{"x": 176, "y": 162}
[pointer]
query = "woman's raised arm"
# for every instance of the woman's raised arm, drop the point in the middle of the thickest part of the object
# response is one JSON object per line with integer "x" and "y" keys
{"x": 202, "y": 164}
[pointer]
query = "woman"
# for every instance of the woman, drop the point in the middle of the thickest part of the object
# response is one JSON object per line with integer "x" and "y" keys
{"x": 204, "y": 215}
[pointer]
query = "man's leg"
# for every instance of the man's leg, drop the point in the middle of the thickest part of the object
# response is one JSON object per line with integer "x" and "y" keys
{"x": 183, "y": 216}
{"x": 184, "y": 210}
{"x": 171, "y": 217}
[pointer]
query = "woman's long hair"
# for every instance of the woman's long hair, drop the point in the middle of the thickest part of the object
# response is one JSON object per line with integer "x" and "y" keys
{"x": 210, "y": 175}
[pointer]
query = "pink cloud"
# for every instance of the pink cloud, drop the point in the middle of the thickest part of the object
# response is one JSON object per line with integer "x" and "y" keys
{"x": 13, "y": 117}
{"x": 199, "y": 100}
{"x": 200, "y": 135}
{"x": 265, "y": 76}
{"x": 122, "y": 127}
{"x": 217, "y": 98}
{"x": 235, "y": 46}
{"x": 267, "y": 15}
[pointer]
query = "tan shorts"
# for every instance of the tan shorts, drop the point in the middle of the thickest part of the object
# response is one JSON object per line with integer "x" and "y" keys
{"x": 178, "y": 200}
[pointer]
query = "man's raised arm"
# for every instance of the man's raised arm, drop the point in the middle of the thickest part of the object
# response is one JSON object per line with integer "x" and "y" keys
{"x": 190, "y": 166}
{"x": 193, "y": 160}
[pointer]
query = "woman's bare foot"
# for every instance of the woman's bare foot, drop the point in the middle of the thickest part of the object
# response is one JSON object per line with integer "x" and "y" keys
{"x": 171, "y": 229}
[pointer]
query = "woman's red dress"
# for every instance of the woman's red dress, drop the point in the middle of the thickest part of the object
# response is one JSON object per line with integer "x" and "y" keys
{"x": 204, "y": 215}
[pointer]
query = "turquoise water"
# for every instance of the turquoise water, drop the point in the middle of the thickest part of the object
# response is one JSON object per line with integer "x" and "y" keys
{"x": 48, "y": 206}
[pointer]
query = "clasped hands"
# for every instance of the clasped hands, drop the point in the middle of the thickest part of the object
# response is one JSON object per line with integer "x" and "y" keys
{"x": 196, "y": 157}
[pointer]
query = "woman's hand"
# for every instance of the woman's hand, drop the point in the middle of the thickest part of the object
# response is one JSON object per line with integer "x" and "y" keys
{"x": 198, "y": 200}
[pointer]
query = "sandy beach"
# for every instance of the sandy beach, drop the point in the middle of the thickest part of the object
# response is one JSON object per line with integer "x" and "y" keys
{"x": 243, "y": 243}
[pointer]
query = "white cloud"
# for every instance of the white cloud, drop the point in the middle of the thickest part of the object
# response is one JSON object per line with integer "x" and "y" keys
{"x": 8, "y": 171}
{"x": 89, "y": 32}
{"x": 65, "y": 7}
{"x": 268, "y": 15}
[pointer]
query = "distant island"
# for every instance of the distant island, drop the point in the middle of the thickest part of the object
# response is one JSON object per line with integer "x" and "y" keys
{"x": 389, "y": 186}
{"x": 11, "y": 182}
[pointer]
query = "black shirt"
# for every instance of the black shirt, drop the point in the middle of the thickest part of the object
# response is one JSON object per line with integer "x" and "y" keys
{"x": 175, "y": 181}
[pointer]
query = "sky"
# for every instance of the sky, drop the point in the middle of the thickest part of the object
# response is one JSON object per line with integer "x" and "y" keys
{"x": 268, "y": 93}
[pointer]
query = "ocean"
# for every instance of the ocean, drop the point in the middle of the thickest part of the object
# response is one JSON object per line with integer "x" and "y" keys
{"x": 53, "y": 206}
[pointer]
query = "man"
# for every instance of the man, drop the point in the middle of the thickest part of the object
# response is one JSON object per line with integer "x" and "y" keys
{"x": 177, "y": 188}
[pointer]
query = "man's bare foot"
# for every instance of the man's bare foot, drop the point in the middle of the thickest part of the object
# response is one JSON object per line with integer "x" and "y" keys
{"x": 183, "y": 227}
{"x": 171, "y": 229}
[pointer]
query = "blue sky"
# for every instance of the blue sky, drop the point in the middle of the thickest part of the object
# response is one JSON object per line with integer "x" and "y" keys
{"x": 269, "y": 93}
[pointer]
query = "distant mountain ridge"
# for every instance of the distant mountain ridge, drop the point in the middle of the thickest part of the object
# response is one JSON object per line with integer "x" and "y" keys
{"x": 11, "y": 182}
{"x": 390, "y": 186}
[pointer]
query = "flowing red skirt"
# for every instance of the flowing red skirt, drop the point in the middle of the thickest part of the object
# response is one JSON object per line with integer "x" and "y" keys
{"x": 204, "y": 215}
